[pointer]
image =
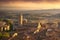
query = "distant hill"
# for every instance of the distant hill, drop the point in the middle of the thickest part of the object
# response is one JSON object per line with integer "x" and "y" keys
{"x": 48, "y": 13}
{"x": 51, "y": 11}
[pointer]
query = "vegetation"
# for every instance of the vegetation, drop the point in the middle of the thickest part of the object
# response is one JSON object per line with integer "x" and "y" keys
{"x": 6, "y": 35}
{"x": 0, "y": 35}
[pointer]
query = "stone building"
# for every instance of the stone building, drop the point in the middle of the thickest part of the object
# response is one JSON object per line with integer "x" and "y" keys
{"x": 4, "y": 26}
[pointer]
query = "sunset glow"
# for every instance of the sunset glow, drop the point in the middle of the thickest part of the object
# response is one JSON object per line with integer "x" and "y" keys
{"x": 30, "y": 5}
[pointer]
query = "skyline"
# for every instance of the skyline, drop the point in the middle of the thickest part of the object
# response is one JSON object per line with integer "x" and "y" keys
{"x": 29, "y": 4}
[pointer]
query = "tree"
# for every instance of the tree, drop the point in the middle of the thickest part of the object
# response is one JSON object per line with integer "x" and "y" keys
{"x": 0, "y": 35}
{"x": 6, "y": 34}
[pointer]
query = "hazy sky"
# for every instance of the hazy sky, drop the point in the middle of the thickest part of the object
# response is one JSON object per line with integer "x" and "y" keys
{"x": 30, "y": 4}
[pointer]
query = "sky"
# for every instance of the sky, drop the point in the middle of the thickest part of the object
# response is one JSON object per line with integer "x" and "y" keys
{"x": 29, "y": 4}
